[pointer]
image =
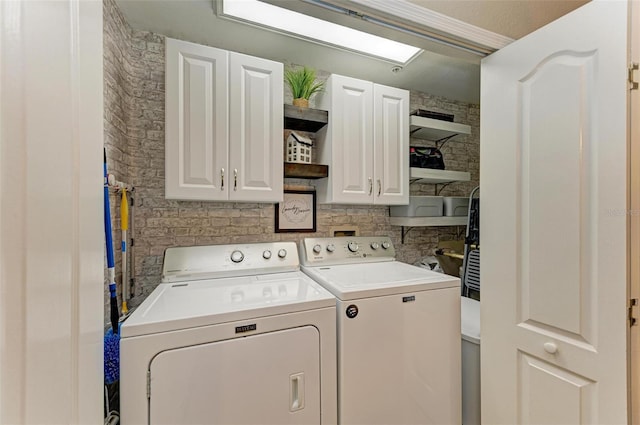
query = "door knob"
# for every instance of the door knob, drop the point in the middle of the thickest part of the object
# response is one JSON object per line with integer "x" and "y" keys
{"x": 550, "y": 347}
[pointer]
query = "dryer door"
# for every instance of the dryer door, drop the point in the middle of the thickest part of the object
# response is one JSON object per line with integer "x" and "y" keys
{"x": 271, "y": 378}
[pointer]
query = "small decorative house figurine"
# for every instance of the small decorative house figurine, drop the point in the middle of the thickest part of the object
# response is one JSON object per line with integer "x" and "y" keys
{"x": 299, "y": 148}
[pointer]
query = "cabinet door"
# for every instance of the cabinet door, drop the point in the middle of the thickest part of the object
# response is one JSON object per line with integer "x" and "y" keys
{"x": 256, "y": 129}
{"x": 391, "y": 141}
{"x": 196, "y": 125}
{"x": 351, "y": 122}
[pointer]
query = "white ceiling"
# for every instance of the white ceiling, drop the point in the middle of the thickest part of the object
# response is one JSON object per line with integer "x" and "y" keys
{"x": 440, "y": 70}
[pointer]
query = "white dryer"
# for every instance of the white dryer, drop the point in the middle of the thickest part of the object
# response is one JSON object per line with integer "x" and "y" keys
{"x": 398, "y": 333}
{"x": 235, "y": 334}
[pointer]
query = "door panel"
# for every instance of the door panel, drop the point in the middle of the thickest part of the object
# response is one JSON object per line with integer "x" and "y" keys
{"x": 557, "y": 158}
{"x": 196, "y": 124}
{"x": 554, "y": 263}
{"x": 256, "y": 129}
{"x": 552, "y": 395}
{"x": 352, "y": 139}
{"x": 271, "y": 378}
{"x": 391, "y": 138}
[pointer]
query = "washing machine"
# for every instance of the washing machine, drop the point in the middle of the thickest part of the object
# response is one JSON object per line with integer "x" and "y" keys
{"x": 398, "y": 332}
{"x": 234, "y": 334}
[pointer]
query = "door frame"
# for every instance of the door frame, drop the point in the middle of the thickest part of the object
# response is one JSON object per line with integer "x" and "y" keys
{"x": 633, "y": 216}
{"x": 51, "y": 218}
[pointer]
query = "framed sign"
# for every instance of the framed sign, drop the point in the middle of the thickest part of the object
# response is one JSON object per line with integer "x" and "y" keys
{"x": 297, "y": 212}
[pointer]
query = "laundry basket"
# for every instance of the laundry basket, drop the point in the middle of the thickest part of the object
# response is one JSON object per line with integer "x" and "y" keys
{"x": 299, "y": 148}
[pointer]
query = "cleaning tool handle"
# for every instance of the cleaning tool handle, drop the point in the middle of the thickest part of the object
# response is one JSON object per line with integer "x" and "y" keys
{"x": 107, "y": 218}
{"x": 115, "y": 315}
{"x": 109, "y": 246}
{"x": 124, "y": 211}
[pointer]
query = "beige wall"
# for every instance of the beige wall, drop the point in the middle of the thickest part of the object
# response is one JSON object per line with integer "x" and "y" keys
{"x": 134, "y": 136}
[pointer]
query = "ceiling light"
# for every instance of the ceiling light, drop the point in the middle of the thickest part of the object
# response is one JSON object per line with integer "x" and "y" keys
{"x": 316, "y": 30}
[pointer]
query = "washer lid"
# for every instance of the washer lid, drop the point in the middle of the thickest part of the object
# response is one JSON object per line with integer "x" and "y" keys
{"x": 470, "y": 323}
{"x": 182, "y": 305}
{"x": 353, "y": 281}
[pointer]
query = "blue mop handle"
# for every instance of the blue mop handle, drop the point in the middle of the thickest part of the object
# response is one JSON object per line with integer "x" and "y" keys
{"x": 110, "y": 261}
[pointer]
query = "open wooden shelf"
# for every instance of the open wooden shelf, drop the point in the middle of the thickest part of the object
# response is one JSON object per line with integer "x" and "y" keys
{"x": 305, "y": 171}
{"x": 304, "y": 119}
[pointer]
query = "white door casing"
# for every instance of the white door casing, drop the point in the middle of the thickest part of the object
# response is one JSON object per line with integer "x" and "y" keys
{"x": 634, "y": 220}
{"x": 256, "y": 129}
{"x": 391, "y": 145}
{"x": 51, "y": 218}
{"x": 197, "y": 127}
{"x": 553, "y": 222}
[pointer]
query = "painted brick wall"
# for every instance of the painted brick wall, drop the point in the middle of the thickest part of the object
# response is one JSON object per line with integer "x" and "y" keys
{"x": 134, "y": 135}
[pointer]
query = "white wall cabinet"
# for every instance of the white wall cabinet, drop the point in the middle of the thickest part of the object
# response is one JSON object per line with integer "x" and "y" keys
{"x": 366, "y": 143}
{"x": 224, "y": 125}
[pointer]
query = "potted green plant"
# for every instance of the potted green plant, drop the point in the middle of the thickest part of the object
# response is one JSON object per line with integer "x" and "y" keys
{"x": 303, "y": 84}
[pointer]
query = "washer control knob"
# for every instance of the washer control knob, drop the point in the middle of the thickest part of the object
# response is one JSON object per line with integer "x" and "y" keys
{"x": 237, "y": 256}
{"x": 386, "y": 245}
{"x": 375, "y": 245}
{"x": 282, "y": 253}
{"x": 317, "y": 248}
{"x": 266, "y": 254}
{"x": 331, "y": 247}
{"x": 353, "y": 247}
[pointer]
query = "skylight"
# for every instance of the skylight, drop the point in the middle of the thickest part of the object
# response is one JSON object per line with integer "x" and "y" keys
{"x": 317, "y": 30}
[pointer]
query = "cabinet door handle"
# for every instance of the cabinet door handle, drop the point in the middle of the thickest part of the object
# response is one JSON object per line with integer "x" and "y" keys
{"x": 379, "y": 187}
{"x": 235, "y": 179}
{"x": 222, "y": 179}
{"x": 370, "y": 186}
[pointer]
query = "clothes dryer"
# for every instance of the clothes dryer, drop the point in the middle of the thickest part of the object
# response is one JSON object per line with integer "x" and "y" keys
{"x": 234, "y": 334}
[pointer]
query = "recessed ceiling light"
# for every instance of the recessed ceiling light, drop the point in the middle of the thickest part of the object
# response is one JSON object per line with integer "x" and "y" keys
{"x": 316, "y": 30}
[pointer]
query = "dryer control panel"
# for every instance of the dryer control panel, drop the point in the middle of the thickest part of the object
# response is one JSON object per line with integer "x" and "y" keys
{"x": 216, "y": 261}
{"x": 346, "y": 250}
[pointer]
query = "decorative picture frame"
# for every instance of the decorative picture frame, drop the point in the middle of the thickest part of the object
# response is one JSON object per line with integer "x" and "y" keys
{"x": 297, "y": 212}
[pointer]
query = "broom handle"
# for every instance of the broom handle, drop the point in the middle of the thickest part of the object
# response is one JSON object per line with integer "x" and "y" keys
{"x": 124, "y": 226}
{"x": 109, "y": 245}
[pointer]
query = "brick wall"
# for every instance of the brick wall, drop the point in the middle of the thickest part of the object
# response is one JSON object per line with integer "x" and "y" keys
{"x": 134, "y": 135}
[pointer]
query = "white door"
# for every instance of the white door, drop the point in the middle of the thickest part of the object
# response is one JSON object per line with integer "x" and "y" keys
{"x": 271, "y": 378}
{"x": 196, "y": 121}
{"x": 391, "y": 140}
{"x": 256, "y": 158}
{"x": 351, "y": 137}
{"x": 553, "y": 223}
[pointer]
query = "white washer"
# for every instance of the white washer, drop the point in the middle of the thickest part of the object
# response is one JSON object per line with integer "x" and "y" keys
{"x": 398, "y": 333}
{"x": 235, "y": 334}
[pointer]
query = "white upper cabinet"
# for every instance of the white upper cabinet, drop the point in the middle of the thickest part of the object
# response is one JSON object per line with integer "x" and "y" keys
{"x": 391, "y": 145}
{"x": 366, "y": 143}
{"x": 223, "y": 125}
{"x": 256, "y": 129}
{"x": 196, "y": 125}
